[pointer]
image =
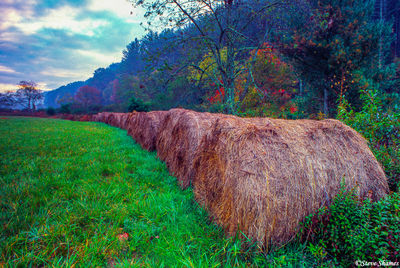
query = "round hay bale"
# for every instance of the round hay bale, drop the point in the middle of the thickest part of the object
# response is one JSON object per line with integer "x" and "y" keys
{"x": 178, "y": 140}
{"x": 120, "y": 120}
{"x": 112, "y": 119}
{"x": 86, "y": 118}
{"x": 102, "y": 117}
{"x": 264, "y": 176}
{"x": 143, "y": 127}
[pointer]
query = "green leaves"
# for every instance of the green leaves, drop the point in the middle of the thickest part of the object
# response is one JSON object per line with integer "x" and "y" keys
{"x": 380, "y": 127}
{"x": 351, "y": 229}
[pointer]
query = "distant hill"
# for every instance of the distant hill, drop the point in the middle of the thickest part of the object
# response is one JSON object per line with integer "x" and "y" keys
{"x": 61, "y": 94}
{"x": 102, "y": 77}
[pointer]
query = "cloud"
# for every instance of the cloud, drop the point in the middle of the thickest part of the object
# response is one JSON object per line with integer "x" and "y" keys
{"x": 62, "y": 73}
{"x": 7, "y": 87}
{"x": 65, "y": 18}
{"x": 56, "y": 42}
{"x": 121, "y": 9}
{"x": 103, "y": 58}
{"x": 5, "y": 69}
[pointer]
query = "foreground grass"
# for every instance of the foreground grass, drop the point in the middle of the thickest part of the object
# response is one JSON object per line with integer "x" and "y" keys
{"x": 85, "y": 193}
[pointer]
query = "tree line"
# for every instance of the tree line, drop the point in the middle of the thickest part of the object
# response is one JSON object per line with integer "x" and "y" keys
{"x": 279, "y": 58}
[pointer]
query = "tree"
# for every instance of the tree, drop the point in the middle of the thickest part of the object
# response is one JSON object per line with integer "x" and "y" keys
{"x": 336, "y": 45}
{"x": 137, "y": 105}
{"x": 7, "y": 99}
{"x": 88, "y": 96}
{"x": 28, "y": 95}
{"x": 216, "y": 25}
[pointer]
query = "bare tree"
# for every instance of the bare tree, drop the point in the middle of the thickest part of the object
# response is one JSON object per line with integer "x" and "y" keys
{"x": 221, "y": 27}
{"x": 28, "y": 95}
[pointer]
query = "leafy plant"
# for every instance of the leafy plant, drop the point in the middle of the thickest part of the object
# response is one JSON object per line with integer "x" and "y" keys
{"x": 381, "y": 128}
{"x": 351, "y": 229}
{"x": 137, "y": 105}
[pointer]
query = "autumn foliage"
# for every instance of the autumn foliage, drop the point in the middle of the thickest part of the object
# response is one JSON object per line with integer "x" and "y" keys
{"x": 87, "y": 96}
{"x": 273, "y": 86}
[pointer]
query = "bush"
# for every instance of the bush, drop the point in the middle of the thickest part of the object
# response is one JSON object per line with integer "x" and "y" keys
{"x": 351, "y": 230}
{"x": 65, "y": 109}
{"x": 51, "y": 111}
{"x": 138, "y": 105}
{"x": 380, "y": 127}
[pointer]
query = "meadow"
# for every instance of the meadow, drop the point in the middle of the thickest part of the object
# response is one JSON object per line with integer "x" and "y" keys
{"x": 84, "y": 193}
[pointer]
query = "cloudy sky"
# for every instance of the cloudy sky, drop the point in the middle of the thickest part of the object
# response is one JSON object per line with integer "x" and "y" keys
{"x": 55, "y": 42}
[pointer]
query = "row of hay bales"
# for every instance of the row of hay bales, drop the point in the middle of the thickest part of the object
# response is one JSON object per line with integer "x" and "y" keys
{"x": 261, "y": 176}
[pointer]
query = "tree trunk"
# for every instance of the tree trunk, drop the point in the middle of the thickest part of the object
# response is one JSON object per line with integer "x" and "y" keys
{"x": 301, "y": 87}
{"x": 230, "y": 63}
{"x": 326, "y": 108}
{"x": 381, "y": 19}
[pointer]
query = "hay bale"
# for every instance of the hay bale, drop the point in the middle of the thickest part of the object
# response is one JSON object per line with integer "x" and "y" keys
{"x": 179, "y": 138}
{"x": 86, "y": 118}
{"x": 263, "y": 176}
{"x": 114, "y": 119}
{"x": 119, "y": 120}
{"x": 66, "y": 116}
{"x": 102, "y": 117}
{"x": 143, "y": 127}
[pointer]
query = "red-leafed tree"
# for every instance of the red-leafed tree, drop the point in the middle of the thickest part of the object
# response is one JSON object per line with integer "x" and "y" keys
{"x": 87, "y": 96}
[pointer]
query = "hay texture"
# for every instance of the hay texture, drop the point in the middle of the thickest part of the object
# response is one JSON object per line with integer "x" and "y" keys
{"x": 102, "y": 117}
{"x": 179, "y": 138}
{"x": 263, "y": 176}
{"x": 143, "y": 127}
{"x": 118, "y": 120}
{"x": 258, "y": 175}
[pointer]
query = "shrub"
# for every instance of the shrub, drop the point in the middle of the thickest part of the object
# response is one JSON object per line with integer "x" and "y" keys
{"x": 138, "y": 105}
{"x": 65, "y": 108}
{"x": 51, "y": 111}
{"x": 380, "y": 127}
{"x": 350, "y": 230}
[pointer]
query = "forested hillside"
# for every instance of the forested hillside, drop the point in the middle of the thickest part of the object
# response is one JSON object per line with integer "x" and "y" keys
{"x": 275, "y": 70}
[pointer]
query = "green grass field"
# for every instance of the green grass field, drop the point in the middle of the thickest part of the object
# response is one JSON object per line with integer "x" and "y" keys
{"x": 83, "y": 193}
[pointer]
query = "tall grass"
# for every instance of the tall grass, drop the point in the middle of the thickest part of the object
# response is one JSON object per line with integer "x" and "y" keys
{"x": 79, "y": 193}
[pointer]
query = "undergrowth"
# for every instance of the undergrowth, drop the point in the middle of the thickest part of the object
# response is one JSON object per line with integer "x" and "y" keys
{"x": 351, "y": 230}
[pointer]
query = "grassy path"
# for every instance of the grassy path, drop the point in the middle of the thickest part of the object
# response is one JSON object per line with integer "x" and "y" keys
{"x": 85, "y": 193}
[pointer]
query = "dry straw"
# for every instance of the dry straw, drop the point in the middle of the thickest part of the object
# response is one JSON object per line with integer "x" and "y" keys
{"x": 118, "y": 120}
{"x": 179, "y": 138}
{"x": 259, "y": 176}
{"x": 143, "y": 127}
{"x": 263, "y": 176}
{"x": 102, "y": 117}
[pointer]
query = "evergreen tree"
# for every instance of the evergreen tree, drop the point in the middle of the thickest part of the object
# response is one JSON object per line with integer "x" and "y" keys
{"x": 337, "y": 46}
